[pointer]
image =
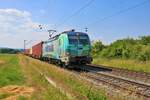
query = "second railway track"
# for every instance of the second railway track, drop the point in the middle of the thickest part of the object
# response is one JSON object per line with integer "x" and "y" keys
{"x": 135, "y": 75}
{"x": 107, "y": 77}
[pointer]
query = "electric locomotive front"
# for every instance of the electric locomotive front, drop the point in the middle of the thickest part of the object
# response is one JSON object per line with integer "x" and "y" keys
{"x": 67, "y": 48}
{"x": 79, "y": 48}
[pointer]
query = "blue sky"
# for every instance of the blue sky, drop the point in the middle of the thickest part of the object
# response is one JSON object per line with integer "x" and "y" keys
{"x": 132, "y": 23}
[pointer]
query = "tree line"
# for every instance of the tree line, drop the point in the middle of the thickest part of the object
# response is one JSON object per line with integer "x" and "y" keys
{"x": 127, "y": 48}
{"x": 9, "y": 50}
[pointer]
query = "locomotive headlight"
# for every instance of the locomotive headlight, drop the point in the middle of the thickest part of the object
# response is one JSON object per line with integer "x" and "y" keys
{"x": 67, "y": 53}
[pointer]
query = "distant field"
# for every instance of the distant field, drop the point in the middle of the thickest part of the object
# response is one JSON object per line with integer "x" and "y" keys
{"x": 124, "y": 63}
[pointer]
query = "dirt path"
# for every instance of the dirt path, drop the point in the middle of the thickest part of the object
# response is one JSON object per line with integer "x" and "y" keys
{"x": 2, "y": 62}
{"x": 15, "y": 91}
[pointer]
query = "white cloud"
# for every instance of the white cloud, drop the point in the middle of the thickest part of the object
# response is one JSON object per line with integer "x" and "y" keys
{"x": 16, "y": 26}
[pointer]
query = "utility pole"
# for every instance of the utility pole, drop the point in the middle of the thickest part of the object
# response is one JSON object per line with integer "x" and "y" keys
{"x": 25, "y": 45}
{"x": 26, "y": 42}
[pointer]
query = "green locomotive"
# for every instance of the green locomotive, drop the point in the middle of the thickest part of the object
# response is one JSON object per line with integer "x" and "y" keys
{"x": 67, "y": 48}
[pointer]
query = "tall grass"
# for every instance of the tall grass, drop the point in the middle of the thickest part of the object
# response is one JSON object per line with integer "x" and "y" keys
{"x": 10, "y": 71}
{"x": 129, "y": 64}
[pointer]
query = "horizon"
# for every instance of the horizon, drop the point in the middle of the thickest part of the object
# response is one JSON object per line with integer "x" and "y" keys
{"x": 135, "y": 38}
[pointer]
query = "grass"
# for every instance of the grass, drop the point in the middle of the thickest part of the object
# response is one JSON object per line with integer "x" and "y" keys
{"x": 43, "y": 90}
{"x": 129, "y": 64}
{"x": 65, "y": 77}
{"x": 10, "y": 71}
{"x": 4, "y": 95}
{"x": 22, "y": 98}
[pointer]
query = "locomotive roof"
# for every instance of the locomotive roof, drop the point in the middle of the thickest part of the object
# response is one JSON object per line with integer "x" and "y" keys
{"x": 66, "y": 32}
{"x": 75, "y": 33}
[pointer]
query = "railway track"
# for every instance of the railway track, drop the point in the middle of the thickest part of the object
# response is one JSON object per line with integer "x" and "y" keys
{"x": 135, "y": 75}
{"x": 107, "y": 76}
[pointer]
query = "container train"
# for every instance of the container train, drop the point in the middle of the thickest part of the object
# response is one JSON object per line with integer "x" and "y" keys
{"x": 67, "y": 48}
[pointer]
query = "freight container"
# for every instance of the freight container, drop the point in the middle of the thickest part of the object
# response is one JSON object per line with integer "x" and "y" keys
{"x": 30, "y": 52}
{"x": 26, "y": 51}
{"x": 37, "y": 50}
{"x": 50, "y": 49}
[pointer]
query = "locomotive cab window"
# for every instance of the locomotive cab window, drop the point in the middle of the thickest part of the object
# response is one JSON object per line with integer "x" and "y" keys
{"x": 73, "y": 39}
{"x": 81, "y": 39}
{"x": 84, "y": 40}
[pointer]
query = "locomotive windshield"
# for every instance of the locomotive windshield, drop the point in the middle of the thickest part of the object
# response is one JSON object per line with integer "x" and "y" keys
{"x": 73, "y": 39}
{"x": 84, "y": 40}
{"x": 79, "y": 39}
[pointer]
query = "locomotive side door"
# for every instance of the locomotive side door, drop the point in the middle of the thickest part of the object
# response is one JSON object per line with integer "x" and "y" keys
{"x": 61, "y": 47}
{"x": 79, "y": 46}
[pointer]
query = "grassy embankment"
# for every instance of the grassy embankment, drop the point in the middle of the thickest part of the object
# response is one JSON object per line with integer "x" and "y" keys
{"x": 19, "y": 81}
{"x": 43, "y": 90}
{"x": 78, "y": 88}
{"x": 129, "y": 64}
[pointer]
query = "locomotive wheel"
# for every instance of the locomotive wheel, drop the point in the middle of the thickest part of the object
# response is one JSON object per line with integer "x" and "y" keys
{"x": 59, "y": 63}
{"x": 64, "y": 65}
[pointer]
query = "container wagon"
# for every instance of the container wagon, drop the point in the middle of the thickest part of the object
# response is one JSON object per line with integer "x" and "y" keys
{"x": 26, "y": 52}
{"x": 37, "y": 50}
{"x": 30, "y": 52}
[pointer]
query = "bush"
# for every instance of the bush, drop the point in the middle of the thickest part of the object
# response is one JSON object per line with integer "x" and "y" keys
{"x": 126, "y": 48}
{"x": 97, "y": 47}
{"x": 145, "y": 54}
{"x": 145, "y": 40}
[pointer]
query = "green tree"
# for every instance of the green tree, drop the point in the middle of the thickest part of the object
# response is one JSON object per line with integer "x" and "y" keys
{"x": 97, "y": 46}
{"x": 145, "y": 40}
{"x": 144, "y": 55}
